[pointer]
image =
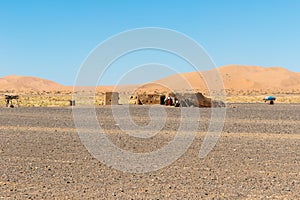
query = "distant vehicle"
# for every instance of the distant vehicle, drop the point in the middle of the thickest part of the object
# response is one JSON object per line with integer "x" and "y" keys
{"x": 270, "y": 98}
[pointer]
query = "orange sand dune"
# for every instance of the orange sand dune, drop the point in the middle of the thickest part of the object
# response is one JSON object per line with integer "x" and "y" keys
{"x": 236, "y": 79}
{"x": 27, "y": 83}
{"x": 254, "y": 77}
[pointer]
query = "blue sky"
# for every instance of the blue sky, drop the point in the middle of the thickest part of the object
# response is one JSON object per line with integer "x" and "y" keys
{"x": 51, "y": 39}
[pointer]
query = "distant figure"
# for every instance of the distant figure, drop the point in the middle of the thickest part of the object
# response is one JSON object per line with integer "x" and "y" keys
{"x": 167, "y": 100}
{"x": 139, "y": 102}
{"x": 177, "y": 104}
{"x": 7, "y": 102}
{"x": 170, "y": 101}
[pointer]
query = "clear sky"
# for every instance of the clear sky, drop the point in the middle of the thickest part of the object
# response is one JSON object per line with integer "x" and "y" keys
{"x": 51, "y": 38}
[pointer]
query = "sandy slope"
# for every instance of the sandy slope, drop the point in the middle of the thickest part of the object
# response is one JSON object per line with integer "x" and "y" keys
{"x": 27, "y": 83}
{"x": 254, "y": 77}
{"x": 236, "y": 79}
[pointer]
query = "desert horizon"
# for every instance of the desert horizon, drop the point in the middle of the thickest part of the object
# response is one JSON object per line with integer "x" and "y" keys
{"x": 241, "y": 84}
{"x": 150, "y": 100}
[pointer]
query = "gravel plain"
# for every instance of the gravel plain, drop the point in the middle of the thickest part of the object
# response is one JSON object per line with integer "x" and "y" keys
{"x": 256, "y": 157}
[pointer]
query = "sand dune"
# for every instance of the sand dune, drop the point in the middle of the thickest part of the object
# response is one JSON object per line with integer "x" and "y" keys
{"x": 236, "y": 79}
{"x": 28, "y": 84}
{"x": 254, "y": 77}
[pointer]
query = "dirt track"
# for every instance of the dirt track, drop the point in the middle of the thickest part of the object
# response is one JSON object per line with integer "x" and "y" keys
{"x": 257, "y": 157}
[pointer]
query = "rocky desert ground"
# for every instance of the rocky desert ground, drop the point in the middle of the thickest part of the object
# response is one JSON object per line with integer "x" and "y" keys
{"x": 256, "y": 157}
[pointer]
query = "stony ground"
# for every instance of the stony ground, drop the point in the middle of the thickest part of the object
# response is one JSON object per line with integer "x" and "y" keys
{"x": 256, "y": 157}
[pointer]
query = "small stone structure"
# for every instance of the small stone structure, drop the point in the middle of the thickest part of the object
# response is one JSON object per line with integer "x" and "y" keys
{"x": 9, "y": 100}
{"x": 111, "y": 98}
{"x": 149, "y": 99}
{"x": 134, "y": 99}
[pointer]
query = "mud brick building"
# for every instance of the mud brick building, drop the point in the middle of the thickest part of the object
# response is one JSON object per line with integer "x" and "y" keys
{"x": 111, "y": 98}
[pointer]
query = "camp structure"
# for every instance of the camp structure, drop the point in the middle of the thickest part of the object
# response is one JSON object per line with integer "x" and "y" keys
{"x": 178, "y": 99}
{"x": 10, "y": 100}
{"x": 270, "y": 99}
{"x": 134, "y": 99}
{"x": 111, "y": 98}
{"x": 194, "y": 99}
{"x": 149, "y": 99}
{"x": 197, "y": 100}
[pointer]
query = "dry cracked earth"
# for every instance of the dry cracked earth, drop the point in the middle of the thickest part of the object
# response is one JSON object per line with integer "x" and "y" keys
{"x": 256, "y": 157}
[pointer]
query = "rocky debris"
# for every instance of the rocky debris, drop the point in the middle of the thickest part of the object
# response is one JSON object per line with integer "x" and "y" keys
{"x": 256, "y": 157}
